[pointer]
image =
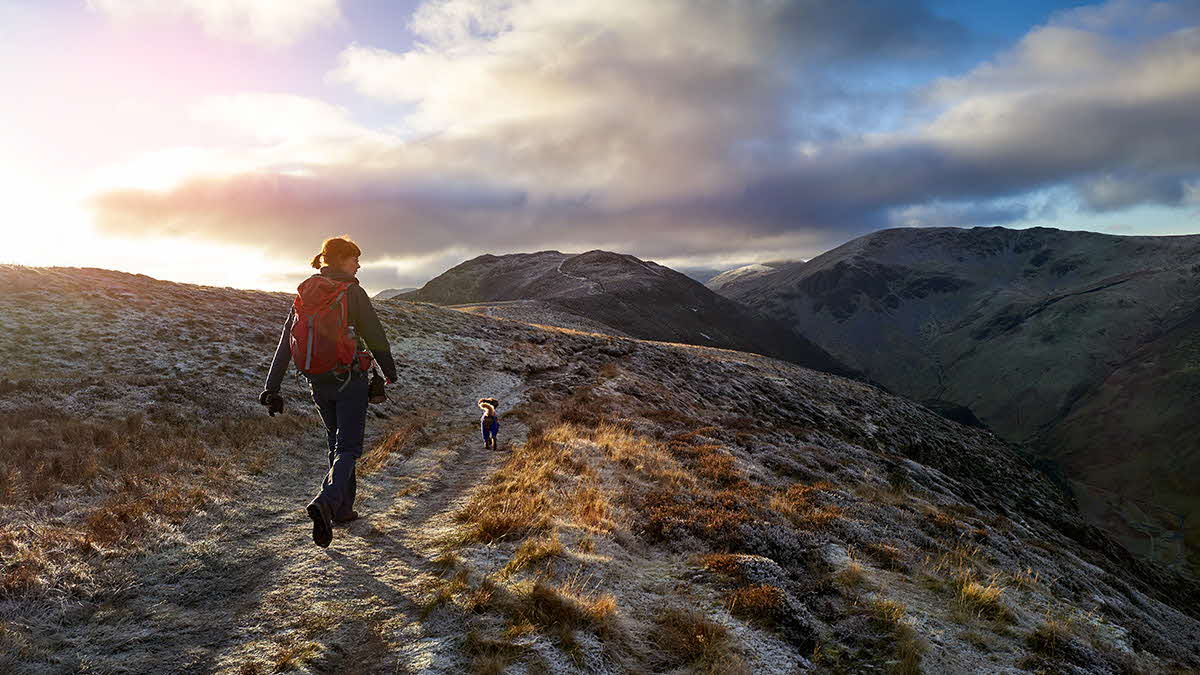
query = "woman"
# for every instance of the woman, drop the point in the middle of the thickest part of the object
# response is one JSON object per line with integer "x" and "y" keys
{"x": 340, "y": 394}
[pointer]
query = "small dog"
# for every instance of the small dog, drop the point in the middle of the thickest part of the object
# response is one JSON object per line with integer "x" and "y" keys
{"x": 489, "y": 423}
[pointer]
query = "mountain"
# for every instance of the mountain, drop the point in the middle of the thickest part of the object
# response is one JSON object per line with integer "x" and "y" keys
{"x": 391, "y": 293}
{"x": 656, "y": 508}
{"x": 1082, "y": 345}
{"x": 630, "y": 296}
{"x": 737, "y": 275}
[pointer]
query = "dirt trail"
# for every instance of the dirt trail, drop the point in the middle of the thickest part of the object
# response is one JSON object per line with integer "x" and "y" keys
{"x": 246, "y": 590}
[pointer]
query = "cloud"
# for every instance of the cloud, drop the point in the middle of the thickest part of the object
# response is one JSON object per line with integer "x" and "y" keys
{"x": 267, "y": 22}
{"x": 1112, "y": 192}
{"x": 696, "y": 130}
{"x": 1103, "y": 97}
{"x": 632, "y": 102}
{"x": 940, "y": 214}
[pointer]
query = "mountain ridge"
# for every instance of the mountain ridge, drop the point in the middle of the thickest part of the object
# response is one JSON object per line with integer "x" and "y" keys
{"x": 1022, "y": 327}
{"x": 634, "y": 297}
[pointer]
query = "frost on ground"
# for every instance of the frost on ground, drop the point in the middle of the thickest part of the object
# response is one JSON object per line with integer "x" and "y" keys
{"x": 655, "y": 508}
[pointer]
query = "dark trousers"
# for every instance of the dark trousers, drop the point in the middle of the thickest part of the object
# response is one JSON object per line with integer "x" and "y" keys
{"x": 345, "y": 415}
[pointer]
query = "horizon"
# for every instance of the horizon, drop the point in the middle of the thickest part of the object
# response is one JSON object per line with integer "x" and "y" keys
{"x": 170, "y": 136}
{"x": 689, "y": 272}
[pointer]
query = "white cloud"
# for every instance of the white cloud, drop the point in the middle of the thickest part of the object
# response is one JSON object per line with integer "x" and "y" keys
{"x": 627, "y": 101}
{"x": 271, "y": 22}
{"x": 695, "y": 128}
{"x": 1063, "y": 77}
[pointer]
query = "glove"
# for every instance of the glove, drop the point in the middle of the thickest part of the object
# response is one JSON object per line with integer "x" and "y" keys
{"x": 273, "y": 401}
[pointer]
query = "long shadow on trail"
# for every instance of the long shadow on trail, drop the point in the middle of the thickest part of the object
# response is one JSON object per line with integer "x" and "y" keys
{"x": 356, "y": 574}
{"x": 448, "y": 490}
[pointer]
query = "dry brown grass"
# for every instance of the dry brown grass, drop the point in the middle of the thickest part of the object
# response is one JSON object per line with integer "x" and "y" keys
{"x": 723, "y": 563}
{"x": 533, "y": 551}
{"x": 801, "y": 503}
{"x": 712, "y": 516}
{"x": 592, "y": 509}
{"x": 853, "y": 575}
{"x": 134, "y": 477}
{"x": 974, "y": 597}
{"x": 517, "y": 500}
{"x": 687, "y": 638}
{"x": 1028, "y": 579}
{"x": 942, "y": 522}
{"x": 401, "y": 441}
{"x": 1051, "y": 638}
{"x": 292, "y": 655}
{"x": 542, "y": 480}
{"x": 889, "y": 556}
{"x": 539, "y": 606}
{"x": 49, "y": 452}
{"x": 984, "y": 599}
{"x": 907, "y": 645}
{"x": 124, "y": 516}
{"x": 443, "y": 592}
{"x": 544, "y": 606}
{"x": 760, "y": 603}
{"x": 890, "y": 495}
{"x": 587, "y": 544}
{"x": 609, "y": 370}
{"x": 692, "y": 487}
{"x": 489, "y": 656}
{"x": 447, "y": 561}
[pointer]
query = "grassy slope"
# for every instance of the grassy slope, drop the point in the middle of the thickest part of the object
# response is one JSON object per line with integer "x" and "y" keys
{"x": 661, "y": 507}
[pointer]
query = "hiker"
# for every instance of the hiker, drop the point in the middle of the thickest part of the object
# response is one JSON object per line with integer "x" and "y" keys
{"x": 330, "y": 348}
{"x": 489, "y": 423}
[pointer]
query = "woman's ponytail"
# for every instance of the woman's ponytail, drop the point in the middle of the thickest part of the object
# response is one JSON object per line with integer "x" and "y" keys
{"x": 316, "y": 261}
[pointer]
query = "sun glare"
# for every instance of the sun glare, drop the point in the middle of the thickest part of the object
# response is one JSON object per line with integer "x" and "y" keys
{"x": 41, "y": 232}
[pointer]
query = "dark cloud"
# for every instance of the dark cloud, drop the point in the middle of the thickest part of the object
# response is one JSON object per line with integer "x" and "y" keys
{"x": 1110, "y": 192}
{"x": 707, "y": 129}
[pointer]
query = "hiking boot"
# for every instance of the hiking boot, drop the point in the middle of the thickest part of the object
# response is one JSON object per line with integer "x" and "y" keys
{"x": 322, "y": 523}
{"x": 342, "y": 521}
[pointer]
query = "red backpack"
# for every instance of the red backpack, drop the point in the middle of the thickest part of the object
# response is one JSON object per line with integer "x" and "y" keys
{"x": 322, "y": 338}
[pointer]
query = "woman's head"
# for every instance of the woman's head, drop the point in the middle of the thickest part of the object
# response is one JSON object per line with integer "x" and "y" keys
{"x": 338, "y": 252}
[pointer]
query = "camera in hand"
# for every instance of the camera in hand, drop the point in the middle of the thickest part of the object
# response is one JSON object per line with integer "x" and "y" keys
{"x": 375, "y": 389}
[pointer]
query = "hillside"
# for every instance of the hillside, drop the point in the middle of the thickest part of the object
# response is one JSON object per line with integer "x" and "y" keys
{"x": 739, "y": 275}
{"x": 657, "y": 508}
{"x": 630, "y": 296}
{"x": 1082, "y": 345}
{"x": 392, "y": 292}
{"x": 539, "y": 313}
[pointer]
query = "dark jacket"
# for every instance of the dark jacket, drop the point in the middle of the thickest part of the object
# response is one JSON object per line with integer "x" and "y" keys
{"x": 362, "y": 317}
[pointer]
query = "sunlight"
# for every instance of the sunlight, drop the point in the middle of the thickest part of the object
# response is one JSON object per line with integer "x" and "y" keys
{"x": 45, "y": 230}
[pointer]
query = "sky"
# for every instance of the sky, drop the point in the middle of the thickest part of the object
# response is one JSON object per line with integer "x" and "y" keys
{"x": 220, "y": 141}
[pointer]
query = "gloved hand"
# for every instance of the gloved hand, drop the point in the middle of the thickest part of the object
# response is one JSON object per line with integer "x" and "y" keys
{"x": 272, "y": 400}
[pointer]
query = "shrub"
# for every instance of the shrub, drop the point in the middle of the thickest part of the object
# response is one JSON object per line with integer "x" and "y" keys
{"x": 980, "y": 599}
{"x": 907, "y": 645}
{"x": 687, "y": 638}
{"x": 533, "y": 551}
{"x": 762, "y": 603}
